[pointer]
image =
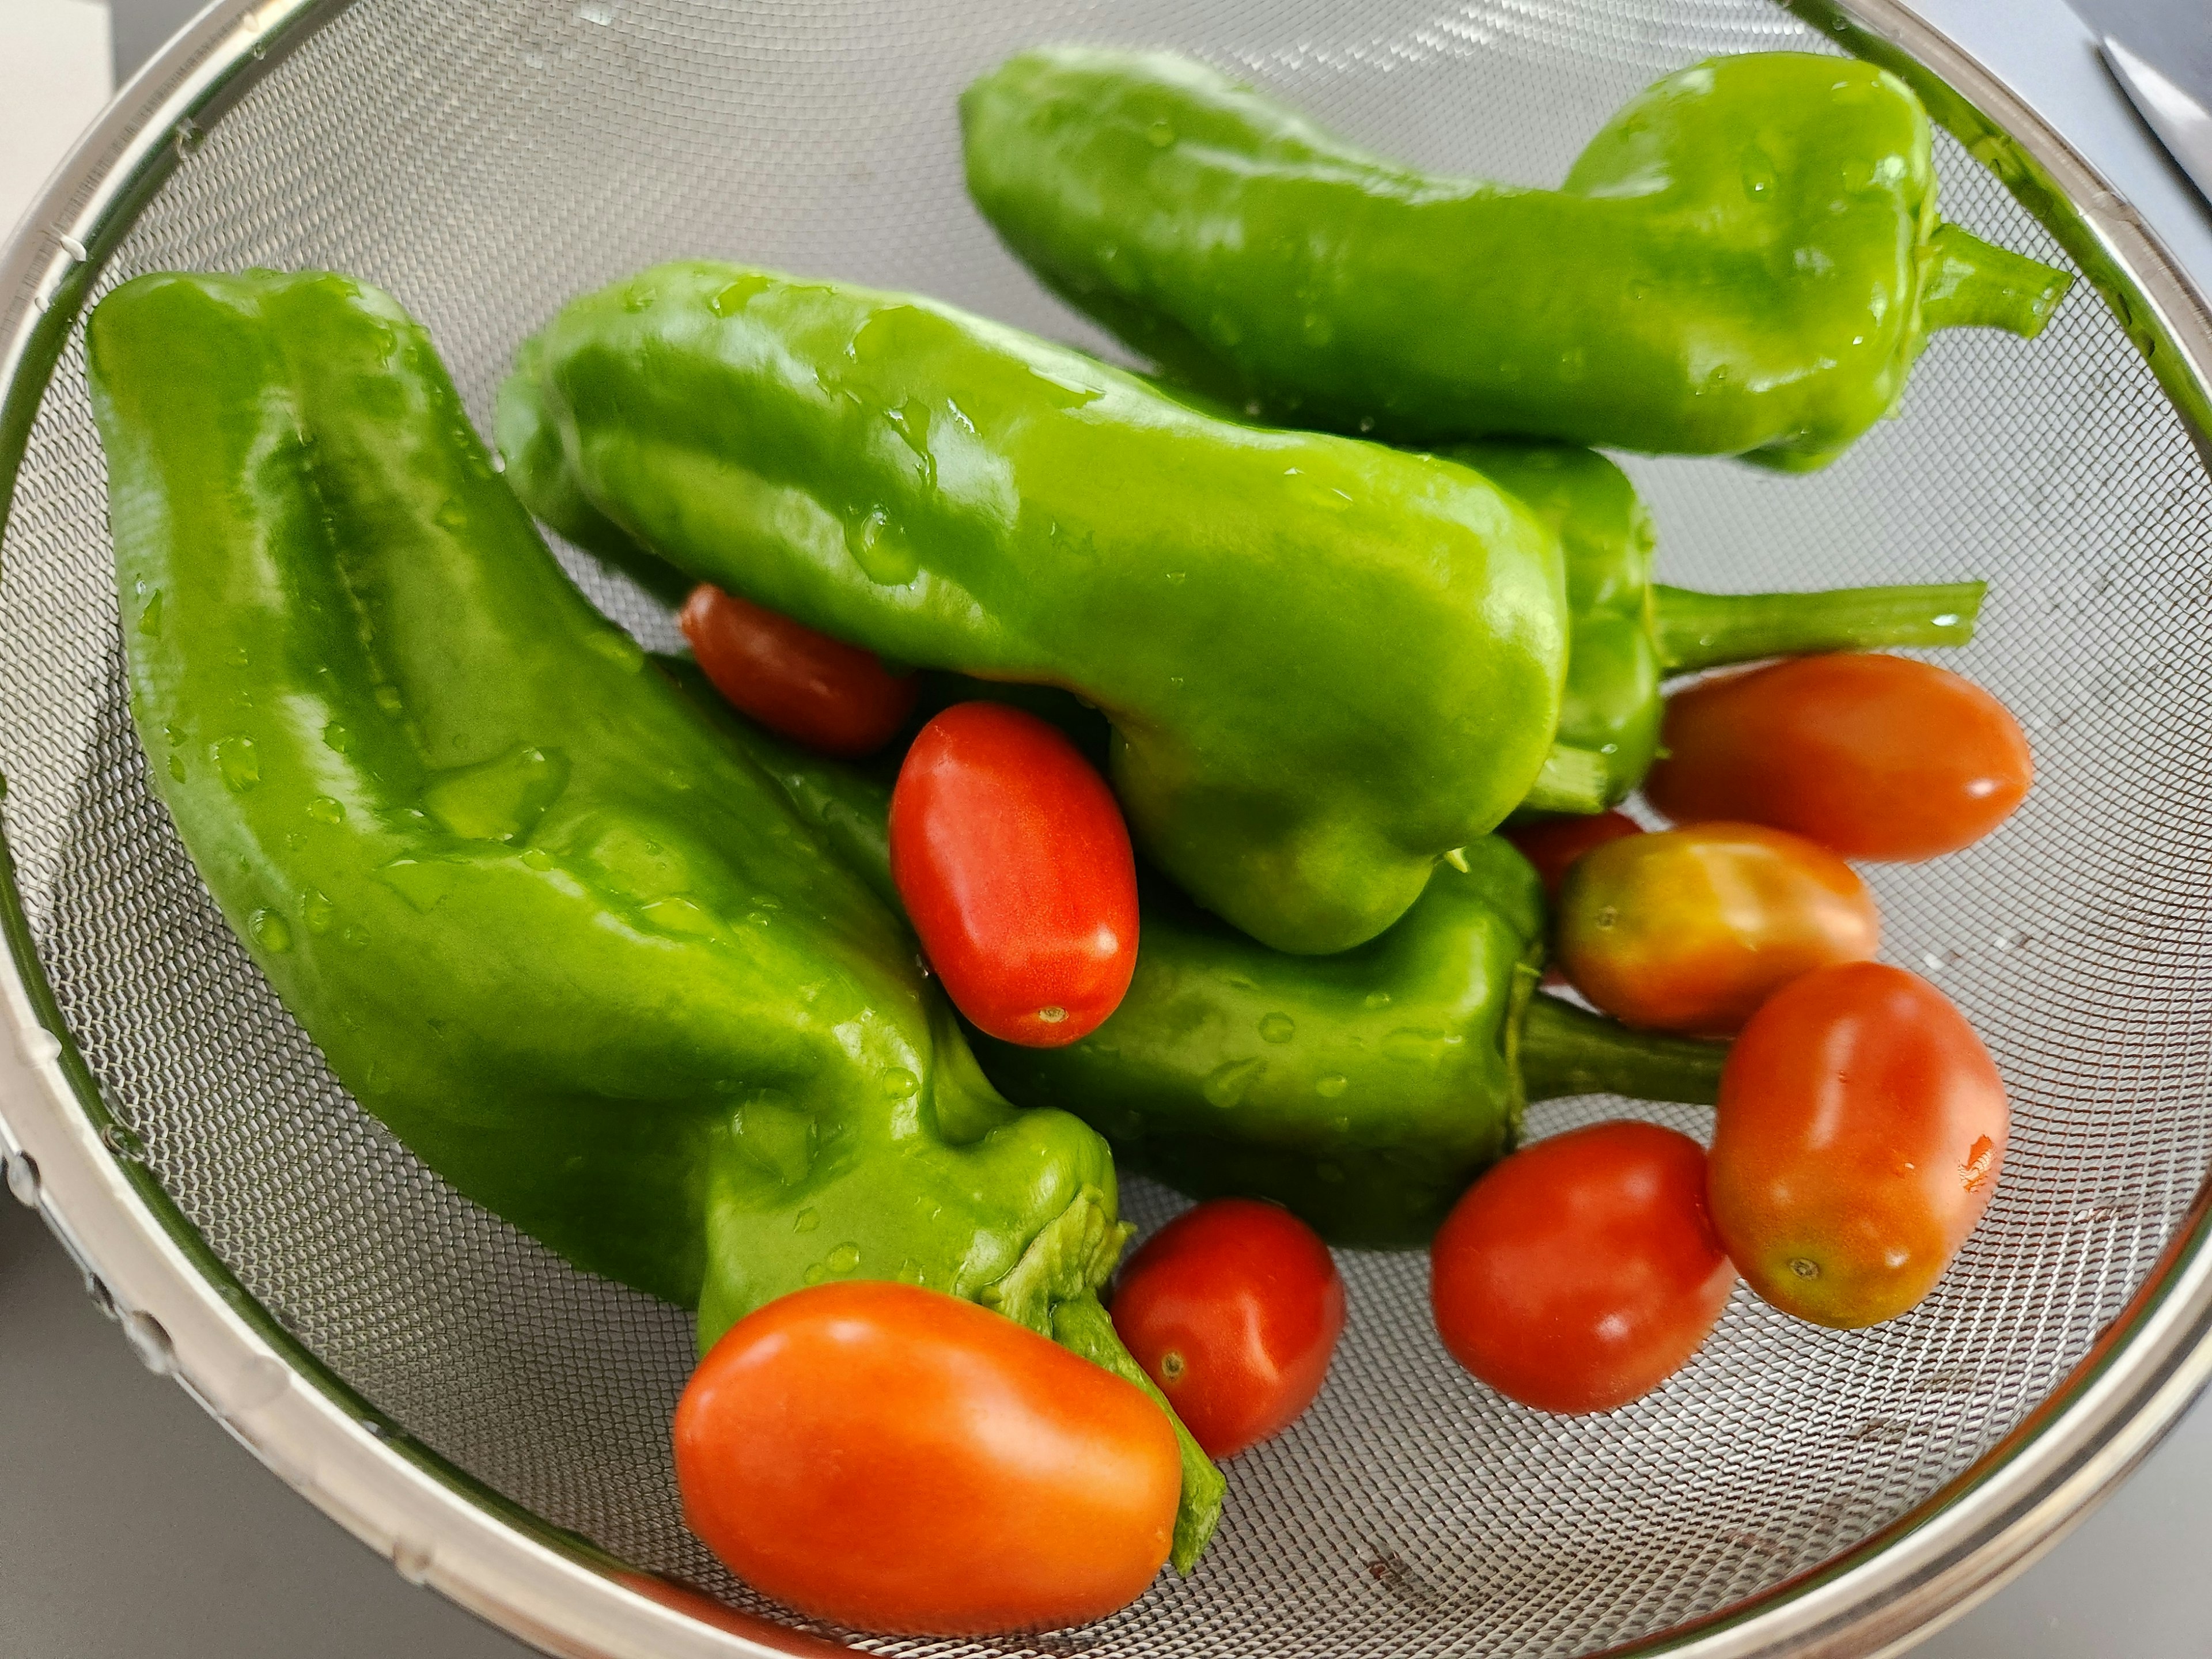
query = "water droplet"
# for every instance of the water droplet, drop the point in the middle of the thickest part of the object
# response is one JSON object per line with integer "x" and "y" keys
{"x": 1277, "y": 1027}
{"x": 1367, "y": 423}
{"x": 1159, "y": 134}
{"x": 1574, "y": 363}
{"x": 1416, "y": 1043}
{"x": 326, "y": 809}
{"x": 1317, "y": 329}
{"x": 1376, "y": 999}
{"x": 910, "y": 1272}
{"x": 1607, "y": 916}
{"x": 236, "y": 657}
{"x": 1805, "y": 1268}
{"x": 387, "y": 699}
{"x": 843, "y": 1259}
{"x": 813, "y": 1275}
{"x": 899, "y": 1084}
{"x": 149, "y": 619}
{"x": 271, "y": 932}
{"x": 881, "y": 551}
{"x": 1226, "y": 1084}
{"x": 728, "y": 301}
{"x": 1949, "y": 619}
{"x": 336, "y": 737}
{"x": 1052, "y": 1015}
{"x": 1178, "y": 578}
{"x": 187, "y": 137}
{"x": 619, "y": 648}
{"x": 638, "y": 297}
{"x": 124, "y": 1141}
{"x": 1332, "y": 1084}
{"x": 453, "y": 515}
{"x": 353, "y": 937}
{"x": 537, "y": 857}
{"x": 23, "y": 1173}
{"x": 239, "y": 764}
{"x": 317, "y": 911}
{"x": 806, "y": 1220}
{"x": 177, "y": 768}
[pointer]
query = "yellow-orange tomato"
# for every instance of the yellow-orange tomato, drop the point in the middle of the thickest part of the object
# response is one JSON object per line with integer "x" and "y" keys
{"x": 1690, "y": 930}
{"x": 897, "y": 1460}
{"x": 1857, "y": 1140}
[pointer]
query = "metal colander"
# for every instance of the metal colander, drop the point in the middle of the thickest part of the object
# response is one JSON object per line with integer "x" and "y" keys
{"x": 497, "y": 1421}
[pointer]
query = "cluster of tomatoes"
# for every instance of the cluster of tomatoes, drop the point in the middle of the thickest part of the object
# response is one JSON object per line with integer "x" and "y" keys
{"x": 1859, "y": 1134}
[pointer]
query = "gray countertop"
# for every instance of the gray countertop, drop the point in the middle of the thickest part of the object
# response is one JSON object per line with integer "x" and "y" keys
{"x": 130, "y": 1524}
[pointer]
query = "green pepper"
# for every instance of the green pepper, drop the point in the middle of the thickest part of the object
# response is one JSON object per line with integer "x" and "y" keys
{"x": 1364, "y": 1090}
{"x": 542, "y": 918}
{"x": 1627, "y": 632}
{"x": 1326, "y": 663}
{"x": 1746, "y": 261}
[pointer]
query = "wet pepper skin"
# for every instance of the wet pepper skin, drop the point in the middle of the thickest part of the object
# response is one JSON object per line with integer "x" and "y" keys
{"x": 1364, "y": 1090}
{"x": 1326, "y": 663}
{"x": 1746, "y": 261}
{"x": 1627, "y": 633}
{"x": 542, "y": 918}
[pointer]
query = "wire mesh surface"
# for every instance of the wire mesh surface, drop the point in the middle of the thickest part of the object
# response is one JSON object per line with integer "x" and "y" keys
{"x": 486, "y": 162}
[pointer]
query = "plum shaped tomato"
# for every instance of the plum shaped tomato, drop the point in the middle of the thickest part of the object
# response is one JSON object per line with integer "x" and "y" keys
{"x": 1233, "y": 1309}
{"x": 898, "y": 1459}
{"x": 1857, "y": 1140}
{"x": 1012, "y": 859}
{"x": 1552, "y": 844}
{"x": 1875, "y": 756}
{"x": 1690, "y": 930}
{"x": 1583, "y": 1271}
{"x": 833, "y": 697}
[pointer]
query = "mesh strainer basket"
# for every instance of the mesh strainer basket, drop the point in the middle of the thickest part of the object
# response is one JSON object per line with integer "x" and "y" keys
{"x": 496, "y": 1422}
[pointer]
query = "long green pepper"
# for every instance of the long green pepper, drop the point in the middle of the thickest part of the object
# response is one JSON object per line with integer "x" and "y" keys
{"x": 1326, "y": 663}
{"x": 542, "y": 918}
{"x": 1747, "y": 260}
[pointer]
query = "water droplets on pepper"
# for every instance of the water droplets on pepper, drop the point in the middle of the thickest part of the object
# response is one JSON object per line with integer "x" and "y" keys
{"x": 1226, "y": 1085}
{"x": 271, "y": 932}
{"x": 239, "y": 762}
{"x": 1277, "y": 1027}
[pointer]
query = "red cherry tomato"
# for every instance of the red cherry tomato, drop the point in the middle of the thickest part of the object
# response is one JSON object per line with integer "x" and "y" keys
{"x": 1555, "y": 843}
{"x": 1878, "y": 757}
{"x": 831, "y": 696}
{"x": 1690, "y": 930}
{"x": 1233, "y": 1309}
{"x": 1859, "y": 1133}
{"x": 1583, "y": 1271}
{"x": 898, "y": 1459}
{"x": 1013, "y": 862}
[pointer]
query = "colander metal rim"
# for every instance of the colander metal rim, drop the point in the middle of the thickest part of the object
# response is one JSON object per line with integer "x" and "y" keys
{"x": 186, "y": 1316}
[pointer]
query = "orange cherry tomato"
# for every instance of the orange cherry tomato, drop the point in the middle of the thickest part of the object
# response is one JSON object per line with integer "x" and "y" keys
{"x": 1875, "y": 756}
{"x": 1690, "y": 930}
{"x": 897, "y": 1460}
{"x": 1555, "y": 843}
{"x": 1234, "y": 1309}
{"x": 1012, "y": 859}
{"x": 833, "y": 697}
{"x": 1583, "y": 1271}
{"x": 1858, "y": 1138}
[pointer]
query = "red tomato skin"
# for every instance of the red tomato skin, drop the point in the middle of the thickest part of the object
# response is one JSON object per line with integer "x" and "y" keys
{"x": 897, "y": 1460}
{"x": 1013, "y": 861}
{"x": 1247, "y": 1300}
{"x": 1583, "y": 1271}
{"x": 1690, "y": 930}
{"x": 1860, "y": 1132}
{"x": 1876, "y": 756}
{"x": 833, "y": 697}
{"x": 1555, "y": 843}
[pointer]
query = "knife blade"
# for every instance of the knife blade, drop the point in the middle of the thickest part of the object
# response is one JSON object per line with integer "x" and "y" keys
{"x": 2181, "y": 121}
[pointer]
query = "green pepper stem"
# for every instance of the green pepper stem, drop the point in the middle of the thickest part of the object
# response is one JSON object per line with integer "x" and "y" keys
{"x": 1697, "y": 630}
{"x": 1967, "y": 284}
{"x": 1572, "y": 780}
{"x": 1565, "y": 1051}
{"x": 1082, "y": 1327}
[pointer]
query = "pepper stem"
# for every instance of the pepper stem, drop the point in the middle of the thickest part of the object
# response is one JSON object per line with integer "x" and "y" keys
{"x": 1965, "y": 283}
{"x": 1697, "y": 630}
{"x": 1565, "y": 1051}
{"x": 1572, "y": 780}
{"x": 1082, "y": 1326}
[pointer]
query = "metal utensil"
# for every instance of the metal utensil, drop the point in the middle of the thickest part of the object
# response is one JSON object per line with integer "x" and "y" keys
{"x": 497, "y": 1423}
{"x": 2181, "y": 121}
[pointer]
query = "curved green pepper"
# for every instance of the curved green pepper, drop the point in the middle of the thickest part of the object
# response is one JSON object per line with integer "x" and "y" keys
{"x": 1326, "y": 663}
{"x": 1746, "y": 261}
{"x": 1364, "y": 1090}
{"x": 541, "y": 917}
{"x": 1627, "y": 633}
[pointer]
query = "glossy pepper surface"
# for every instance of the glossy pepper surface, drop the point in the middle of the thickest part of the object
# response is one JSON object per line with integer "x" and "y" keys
{"x": 1746, "y": 260}
{"x": 576, "y": 951}
{"x": 1627, "y": 633}
{"x": 1326, "y": 663}
{"x": 1363, "y": 1090}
